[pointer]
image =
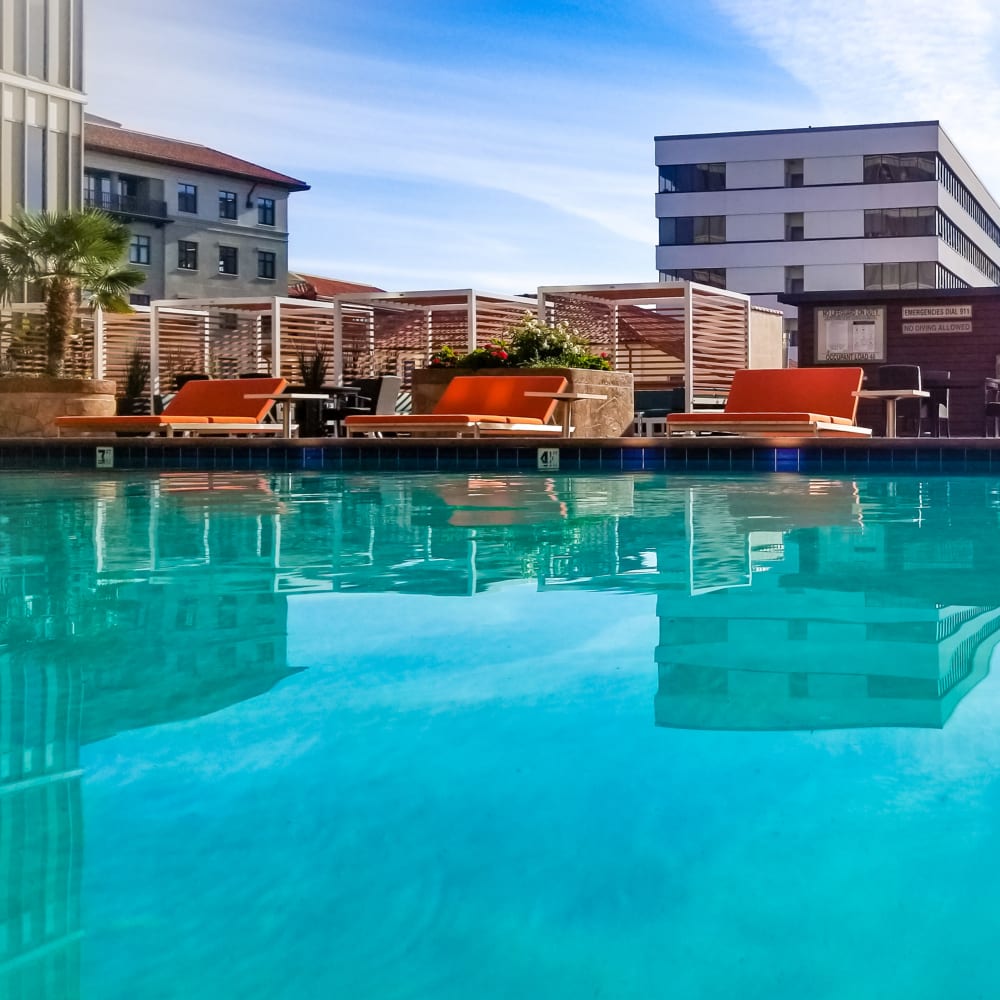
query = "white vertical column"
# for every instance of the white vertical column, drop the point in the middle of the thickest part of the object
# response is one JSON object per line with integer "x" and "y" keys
{"x": 371, "y": 342}
{"x": 100, "y": 360}
{"x": 338, "y": 342}
{"x": 471, "y": 313}
{"x": 614, "y": 335}
{"x": 154, "y": 350}
{"x": 689, "y": 386}
{"x": 276, "y": 337}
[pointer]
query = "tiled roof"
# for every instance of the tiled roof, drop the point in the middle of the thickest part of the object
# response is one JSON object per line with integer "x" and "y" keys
{"x": 124, "y": 142}
{"x": 312, "y": 286}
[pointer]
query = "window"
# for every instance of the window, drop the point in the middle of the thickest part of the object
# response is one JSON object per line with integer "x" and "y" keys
{"x": 138, "y": 250}
{"x": 714, "y": 276}
{"x": 794, "y": 280}
{"x": 899, "y": 222}
{"x": 890, "y": 168}
{"x": 97, "y": 190}
{"x": 187, "y": 255}
{"x": 138, "y": 299}
{"x": 266, "y": 264}
{"x": 957, "y": 240}
{"x": 908, "y": 274}
{"x": 265, "y": 211}
{"x": 227, "y": 205}
{"x": 685, "y": 231}
{"x": 187, "y": 198}
{"x": 685, "y": 177}
{"x": 229, "y": 260}
{"x": 795, "y": 176}
{"x": 794, "y": 226}
{"x": 35, "y": 168}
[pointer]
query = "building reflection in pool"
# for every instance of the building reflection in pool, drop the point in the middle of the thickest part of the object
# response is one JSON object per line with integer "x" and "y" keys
{"x": 784, "y": 603}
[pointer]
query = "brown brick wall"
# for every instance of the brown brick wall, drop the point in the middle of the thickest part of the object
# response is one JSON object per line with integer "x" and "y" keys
{"x": 970, "y": 357}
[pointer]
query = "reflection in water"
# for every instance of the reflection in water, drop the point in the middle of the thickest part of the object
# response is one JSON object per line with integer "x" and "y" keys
{"x": 814, "y": 606}
{"x": 783, "y": 603}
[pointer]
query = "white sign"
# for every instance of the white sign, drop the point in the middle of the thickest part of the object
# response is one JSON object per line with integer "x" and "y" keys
{"x": 851, "y": 333}
{"x": 937, "y": 312}
{"x": 548, "y": 458}
{"x": 105, "y": 458}
{"x": 954, "y": 326}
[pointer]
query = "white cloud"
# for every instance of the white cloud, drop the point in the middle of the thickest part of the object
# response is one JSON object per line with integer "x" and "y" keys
{"x": 897, "y": 60}
{"x": 500, "y": 169}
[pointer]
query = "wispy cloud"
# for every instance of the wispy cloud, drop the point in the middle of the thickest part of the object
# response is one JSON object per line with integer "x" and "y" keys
{"x": 448, "y": 149}
{"x": 897, "y": 60}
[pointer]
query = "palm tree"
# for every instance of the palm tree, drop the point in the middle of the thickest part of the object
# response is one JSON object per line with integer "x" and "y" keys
{"x": 66, "y": 254}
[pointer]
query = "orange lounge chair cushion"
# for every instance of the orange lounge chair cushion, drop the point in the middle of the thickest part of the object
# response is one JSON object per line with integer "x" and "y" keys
{"x": 215, "y": 397}
{"x": 500, "y": 394}
{"x": 770, "y": 416}
{"x": 137, "y": 422}
{"x": 445, "y": 419}
{"x": 796, "y": 390}
{"x": 215, "y": 401}
{"x": 471, "y": 399}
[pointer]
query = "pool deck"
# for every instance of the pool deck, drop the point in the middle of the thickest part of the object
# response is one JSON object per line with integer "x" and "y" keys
{"x": 630, "y": 454}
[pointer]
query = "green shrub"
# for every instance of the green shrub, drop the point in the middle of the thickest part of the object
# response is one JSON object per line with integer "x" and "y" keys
{"x": 528, "y": 343}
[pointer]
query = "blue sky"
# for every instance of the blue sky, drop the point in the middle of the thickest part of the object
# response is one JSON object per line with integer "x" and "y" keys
{"x": 500, "y": 146}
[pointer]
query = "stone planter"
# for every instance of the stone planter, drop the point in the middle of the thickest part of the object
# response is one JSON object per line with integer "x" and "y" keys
{"x": 592, "y": 418}
{"x": 30, "y": 404}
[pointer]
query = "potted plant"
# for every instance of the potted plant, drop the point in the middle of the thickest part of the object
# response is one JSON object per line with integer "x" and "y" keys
{"x": 533, "y": 346}
{"x": 133, "y": 391}
{"x": 64, "y": 256}
{"x": 312, "y": 372}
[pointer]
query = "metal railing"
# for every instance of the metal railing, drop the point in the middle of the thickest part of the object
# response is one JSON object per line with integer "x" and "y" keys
{"x": 126, "y": 204}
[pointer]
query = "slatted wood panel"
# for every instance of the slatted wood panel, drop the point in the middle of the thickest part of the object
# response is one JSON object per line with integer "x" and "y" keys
{"x": 720, "y": 340}
{"x": 23, "y": 346}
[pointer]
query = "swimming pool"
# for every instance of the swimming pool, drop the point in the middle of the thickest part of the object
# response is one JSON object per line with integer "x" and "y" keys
{"x": 451, "y": 736}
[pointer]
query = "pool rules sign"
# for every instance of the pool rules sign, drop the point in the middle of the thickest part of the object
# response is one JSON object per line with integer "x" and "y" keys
{"x": 850, "y": 334}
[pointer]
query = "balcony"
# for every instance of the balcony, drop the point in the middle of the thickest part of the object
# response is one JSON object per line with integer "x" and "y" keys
{"x": 131, "y": 206}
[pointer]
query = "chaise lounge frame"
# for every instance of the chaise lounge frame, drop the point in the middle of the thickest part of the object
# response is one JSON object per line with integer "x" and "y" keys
{"x": 200, "y": 407}
{"x": 815, "y": 402}
{"x": 479, "y": 406}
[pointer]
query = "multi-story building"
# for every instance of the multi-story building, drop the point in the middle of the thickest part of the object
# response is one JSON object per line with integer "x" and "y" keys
{"x": 818, "y": 209}
{"x": 41, "y": 104}
{"x": 204, "y": 224}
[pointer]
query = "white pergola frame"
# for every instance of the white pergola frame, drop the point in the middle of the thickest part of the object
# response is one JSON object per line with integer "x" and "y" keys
{"x": 201, "y": 307}
{"x": 465, "y": 300}
{"x": 611, "y": 296}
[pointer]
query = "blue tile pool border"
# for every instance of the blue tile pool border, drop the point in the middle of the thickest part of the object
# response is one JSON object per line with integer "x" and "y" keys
{"x": 928, "y": 455}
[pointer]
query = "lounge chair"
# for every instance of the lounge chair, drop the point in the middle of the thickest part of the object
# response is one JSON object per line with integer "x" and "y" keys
{"x": 212, "y": 406}
{"x": 476, "y": 405}
{"x": 818, "y": 402}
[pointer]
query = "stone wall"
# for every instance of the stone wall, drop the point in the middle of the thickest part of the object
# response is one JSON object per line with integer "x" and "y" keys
{"x": 29, "y": 405}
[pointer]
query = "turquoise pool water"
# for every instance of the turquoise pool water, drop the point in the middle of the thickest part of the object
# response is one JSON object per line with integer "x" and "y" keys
{"x": 467, "y": 736}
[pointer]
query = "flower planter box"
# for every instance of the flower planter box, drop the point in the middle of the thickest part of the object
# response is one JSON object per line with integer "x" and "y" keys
{"x": 30, "y": 404}
{"x": 592, "y": 418}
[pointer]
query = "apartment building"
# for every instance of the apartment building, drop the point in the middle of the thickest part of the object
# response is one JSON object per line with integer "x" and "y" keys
{"x": 204, "y": 224}
{"x": 41, "y": 104}
{"x": 892, "y": 206}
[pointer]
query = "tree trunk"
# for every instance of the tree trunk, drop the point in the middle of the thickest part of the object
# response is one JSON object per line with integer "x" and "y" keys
{"x": 58, "y": 323}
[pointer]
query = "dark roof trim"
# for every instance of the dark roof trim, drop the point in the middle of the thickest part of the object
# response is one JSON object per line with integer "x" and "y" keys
{"x": 889, "y": 295}
{"x": 792, "y": 131}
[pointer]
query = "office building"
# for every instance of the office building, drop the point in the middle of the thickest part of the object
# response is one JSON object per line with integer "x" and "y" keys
{"x": 41, "y": 121}
{"x": 204, "y": 224}
{"x": 873, "y": 207}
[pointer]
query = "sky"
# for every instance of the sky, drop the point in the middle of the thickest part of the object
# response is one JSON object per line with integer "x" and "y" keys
{"x": 505, "y": 145}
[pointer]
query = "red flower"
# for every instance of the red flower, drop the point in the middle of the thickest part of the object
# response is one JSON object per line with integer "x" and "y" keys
{"x": 501, "y": 354}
